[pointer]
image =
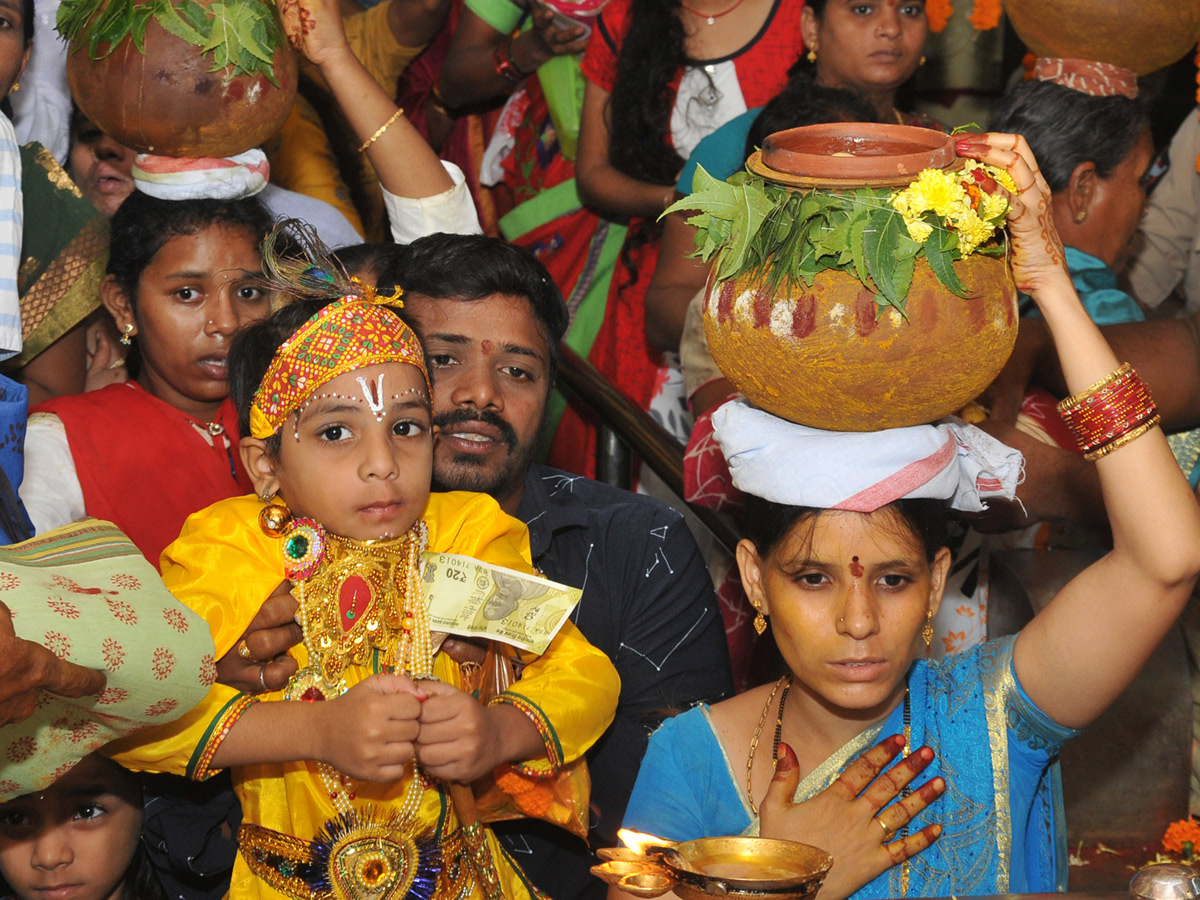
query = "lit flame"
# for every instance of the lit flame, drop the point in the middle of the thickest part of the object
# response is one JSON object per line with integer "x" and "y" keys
{"x": 638, "y": 841}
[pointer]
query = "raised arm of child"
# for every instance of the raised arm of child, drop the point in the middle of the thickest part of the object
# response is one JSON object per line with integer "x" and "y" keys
{"x": 1084, "y": 648}
{"x": 406, "y": 164}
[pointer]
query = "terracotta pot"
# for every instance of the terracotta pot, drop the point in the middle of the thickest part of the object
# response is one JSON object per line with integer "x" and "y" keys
{"x": 822, "y": 357}
{"x": 863, "y": 153}
{"x": 1143, "y": 35}
{"x": 168, "y": 102}
{"x": 825, "y": 356}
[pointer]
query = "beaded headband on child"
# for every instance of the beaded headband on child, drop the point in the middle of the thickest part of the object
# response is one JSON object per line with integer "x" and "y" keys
{"x": 348, "y": 334}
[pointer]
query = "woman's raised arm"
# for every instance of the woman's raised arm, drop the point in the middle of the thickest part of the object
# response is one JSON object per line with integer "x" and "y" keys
{"x": 1085, "y": 647}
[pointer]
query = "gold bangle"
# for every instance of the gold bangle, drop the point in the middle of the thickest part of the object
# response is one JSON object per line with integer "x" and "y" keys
{"x": 382, "y": 128}
{"x": 1122, "y": 440}
{"x": 1076, "y": 399}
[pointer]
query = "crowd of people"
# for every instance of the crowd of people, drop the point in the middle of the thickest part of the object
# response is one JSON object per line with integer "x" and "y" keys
{"x": 288, "y": 390}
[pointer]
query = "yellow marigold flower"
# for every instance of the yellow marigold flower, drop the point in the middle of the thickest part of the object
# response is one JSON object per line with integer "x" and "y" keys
{"x": 994, "y": 206}
{"x": 972, "y": 231}
{"x": 1003, "y": 177}
{"x": 939, "y": 191}
{"x": 917, "y": 230}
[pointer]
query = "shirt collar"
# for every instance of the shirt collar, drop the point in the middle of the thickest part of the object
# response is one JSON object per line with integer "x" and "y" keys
{"x": 548, "y": 506}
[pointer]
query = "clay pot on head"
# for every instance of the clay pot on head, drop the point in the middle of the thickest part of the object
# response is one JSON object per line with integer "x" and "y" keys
{"x": 167, "y": 101}
{"x": 1143, "y": 35}
{"x": 825, "y": 355}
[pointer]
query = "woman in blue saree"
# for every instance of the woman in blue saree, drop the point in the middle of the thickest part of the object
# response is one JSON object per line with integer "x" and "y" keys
{"x": 845, "y": 554}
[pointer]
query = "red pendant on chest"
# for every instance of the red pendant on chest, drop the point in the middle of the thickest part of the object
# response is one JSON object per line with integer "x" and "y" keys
{"x": 354, "y": 597}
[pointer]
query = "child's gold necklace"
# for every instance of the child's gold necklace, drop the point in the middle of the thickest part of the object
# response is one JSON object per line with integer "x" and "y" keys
{"x": 363, "y": 599}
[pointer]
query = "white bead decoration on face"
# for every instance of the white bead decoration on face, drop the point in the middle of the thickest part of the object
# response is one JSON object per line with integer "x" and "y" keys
{"x": 374, "y": 400}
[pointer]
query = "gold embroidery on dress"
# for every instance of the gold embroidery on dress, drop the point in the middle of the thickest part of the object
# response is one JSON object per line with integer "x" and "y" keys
{"x": 365, "y": 856}
{"x": 1186, "y": 447}
{"x": 364, "y": 597}
{"x": 998, "y": 687}
{"x": 55, "y": 173}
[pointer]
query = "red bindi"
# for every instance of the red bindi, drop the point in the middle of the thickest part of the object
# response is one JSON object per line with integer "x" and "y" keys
{"x": 856, "y": 568}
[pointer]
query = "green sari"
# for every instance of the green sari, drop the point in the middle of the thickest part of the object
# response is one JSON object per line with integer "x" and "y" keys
{"x": 64, "y": 251}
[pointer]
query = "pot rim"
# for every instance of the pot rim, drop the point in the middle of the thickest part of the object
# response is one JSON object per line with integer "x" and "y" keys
{"x": 901, "y": 153}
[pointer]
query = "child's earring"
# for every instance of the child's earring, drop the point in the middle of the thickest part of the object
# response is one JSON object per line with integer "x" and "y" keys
{"x": 127, "y": 337}
{"x": 927, "y": 631}
{"x": 760, "y": 621}
{"x": 274, "y": 518}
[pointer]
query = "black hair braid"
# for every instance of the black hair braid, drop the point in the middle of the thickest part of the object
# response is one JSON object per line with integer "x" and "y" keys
{"x": 652, "y": 54}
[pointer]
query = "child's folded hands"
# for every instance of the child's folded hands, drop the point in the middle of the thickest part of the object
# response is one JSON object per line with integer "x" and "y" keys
{"x": 369, "y": 732}
{"x": 461, "y": 740}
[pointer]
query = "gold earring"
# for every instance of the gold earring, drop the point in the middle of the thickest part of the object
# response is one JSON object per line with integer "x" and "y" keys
{"x": 16, "y": 86}
{"x": 273, "y": 518}
{"x": 127, "y": 337}
{"x": 927, "y": 631}
{"x": 1081, "y": 217}
{"x": 812, "y": 56}
{"x": 760, "y": 621}
{"x": 923, "y": 60}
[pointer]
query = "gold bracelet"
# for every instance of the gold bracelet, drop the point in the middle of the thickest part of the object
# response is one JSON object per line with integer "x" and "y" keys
{"x": 1076, "y": 399}
{"x": 1122, "y": 440}
{"x": 382, "y": 128}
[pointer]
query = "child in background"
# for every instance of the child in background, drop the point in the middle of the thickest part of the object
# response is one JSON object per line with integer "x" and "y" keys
{"x": 352, "y": 789}
{"x": 80, "y": 839}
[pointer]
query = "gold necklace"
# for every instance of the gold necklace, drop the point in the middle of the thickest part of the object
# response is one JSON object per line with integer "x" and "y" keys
{"x": 362, "y": 597}
{"x": 786, "y": 683}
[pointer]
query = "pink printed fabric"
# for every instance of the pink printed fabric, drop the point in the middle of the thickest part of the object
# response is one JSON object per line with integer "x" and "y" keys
{"x": 1099, "y": 79}
{"x": 796, "y": 465}
{"x": 87, "y": 594}
{"x": 204, "y": 178}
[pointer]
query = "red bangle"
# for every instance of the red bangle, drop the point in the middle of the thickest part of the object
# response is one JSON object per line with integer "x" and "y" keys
{"x": 505, "y": 64}
{"x": 1110, "y": 412}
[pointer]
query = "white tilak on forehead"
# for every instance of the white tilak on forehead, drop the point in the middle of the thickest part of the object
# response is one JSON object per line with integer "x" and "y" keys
{"x": 374, "y": 398}
{"x": 376, "y": 408}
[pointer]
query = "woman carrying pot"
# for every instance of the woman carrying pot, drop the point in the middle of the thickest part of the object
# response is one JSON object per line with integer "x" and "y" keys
{"x": 848, "y": 560}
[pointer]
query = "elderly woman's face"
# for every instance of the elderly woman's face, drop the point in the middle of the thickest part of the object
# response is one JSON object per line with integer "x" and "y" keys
{"x": 868, "y": 45}
{"x": 14, "y": 53}
{"x": 1117, "y": 205}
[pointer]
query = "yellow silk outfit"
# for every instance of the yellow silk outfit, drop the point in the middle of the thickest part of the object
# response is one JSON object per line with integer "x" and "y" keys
{"x": 223, "y": 565}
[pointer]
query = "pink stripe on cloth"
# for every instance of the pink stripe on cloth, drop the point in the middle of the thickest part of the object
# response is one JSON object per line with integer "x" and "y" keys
{"x": 903, "y": 482}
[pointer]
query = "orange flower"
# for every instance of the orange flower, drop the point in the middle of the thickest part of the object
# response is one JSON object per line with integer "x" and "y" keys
{"x": 1178, "y": 833}
{"x": 1027, "y": 63}
{"x": 1198, "y": 94}
{"x": 513, "y": 784}
{"x": 938, "y": 12}
{"x": 536, "y": 802}
{"x": 986, "y": 14}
